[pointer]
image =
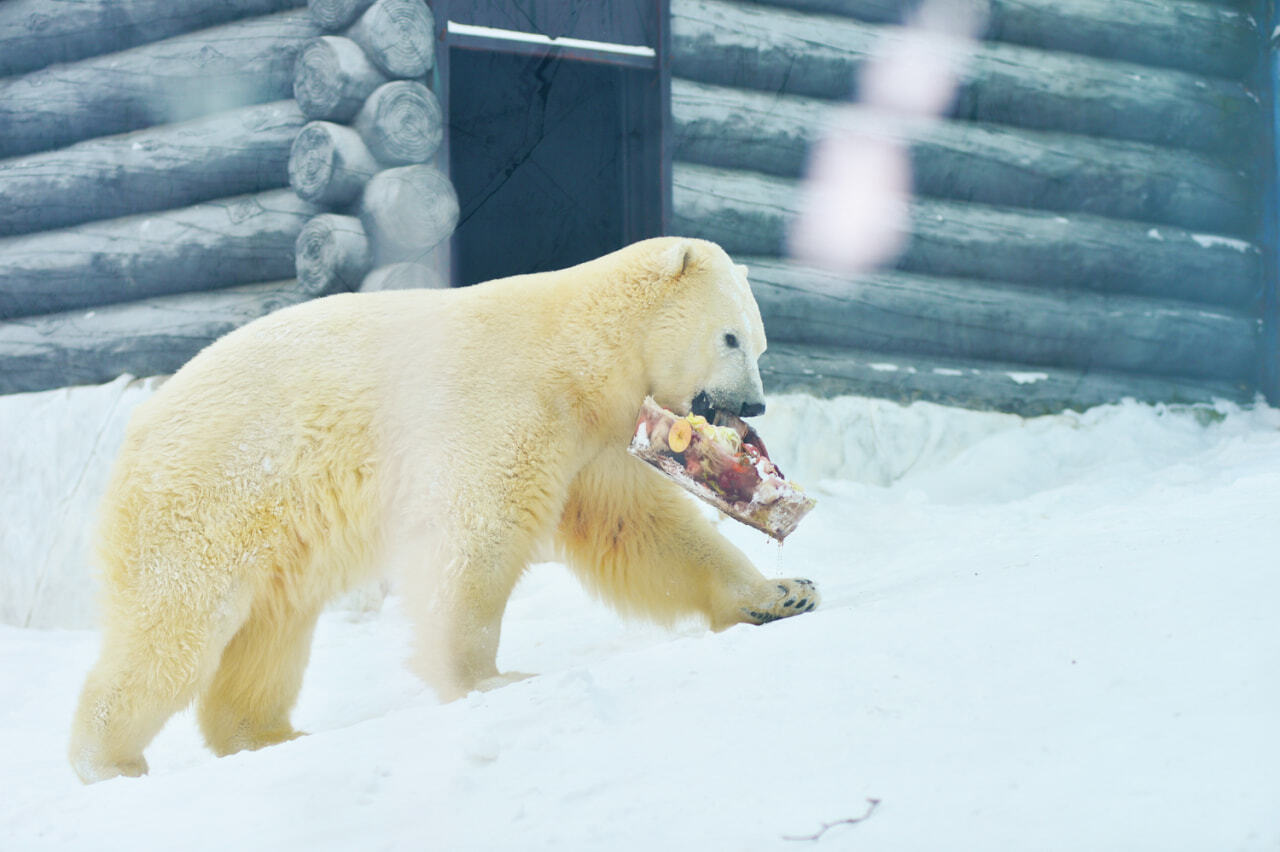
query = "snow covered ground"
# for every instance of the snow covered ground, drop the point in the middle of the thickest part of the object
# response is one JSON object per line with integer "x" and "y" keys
{"x": 1048, "y": 634}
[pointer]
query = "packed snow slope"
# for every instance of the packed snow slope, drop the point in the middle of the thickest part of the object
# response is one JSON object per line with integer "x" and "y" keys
{"x": 1048, "y": 634}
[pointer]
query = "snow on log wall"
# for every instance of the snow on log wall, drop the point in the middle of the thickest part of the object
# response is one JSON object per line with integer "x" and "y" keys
{"x": 1086, "y": 221}
{"x": 161, "y": 184}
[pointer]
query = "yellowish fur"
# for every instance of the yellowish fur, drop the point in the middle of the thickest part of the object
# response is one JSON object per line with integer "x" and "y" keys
{"x": 445, "y": 436}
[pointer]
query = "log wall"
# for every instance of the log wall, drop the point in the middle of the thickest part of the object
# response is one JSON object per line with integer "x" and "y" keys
{"x": 1086, "y": 220}
{"x": 171, "y": 170}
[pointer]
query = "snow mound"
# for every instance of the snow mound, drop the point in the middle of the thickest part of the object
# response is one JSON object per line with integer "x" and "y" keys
{"x": 1049, "y": 634}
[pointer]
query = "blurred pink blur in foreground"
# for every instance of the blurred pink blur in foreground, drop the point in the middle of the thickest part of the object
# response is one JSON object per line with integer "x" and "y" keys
{"x": 854, "y": 203}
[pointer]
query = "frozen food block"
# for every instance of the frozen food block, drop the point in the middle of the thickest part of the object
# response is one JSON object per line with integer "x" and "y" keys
{"x": 724, "y": 463}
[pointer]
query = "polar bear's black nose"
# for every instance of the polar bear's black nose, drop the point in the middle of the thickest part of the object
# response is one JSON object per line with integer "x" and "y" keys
{"x": 751, "y": 409}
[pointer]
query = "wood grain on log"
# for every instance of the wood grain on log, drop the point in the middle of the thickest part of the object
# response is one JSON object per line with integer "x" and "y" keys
{"x": 895, "y": 312}
{"x": 401, "y": 123}
{"x": 174, "y": 165}
{"x": 407, "y": 211}
{"x": 332, "y": 253}
{"x": 329, "y": 164}
{"x": 184, "y": 77}
{"x": 333, "y": 15}
{"x": 215, "y": 244}
{"x": 146, "y": 338}
{"x": 970, "y": 161}
{"x": 398, "y": 37}
{"x": 1184, "y": 34}
{"x": 333, "y": 78}
{"x": 403, "y": 276}
{"x": 786, "y": 52}
{"x": 829, "y": 371}
{"x": 749, "y": 213}
{"x": 38, "y": 33}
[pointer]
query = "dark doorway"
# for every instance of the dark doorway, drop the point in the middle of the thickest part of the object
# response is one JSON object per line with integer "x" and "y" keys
{"x": 555, "y": 161}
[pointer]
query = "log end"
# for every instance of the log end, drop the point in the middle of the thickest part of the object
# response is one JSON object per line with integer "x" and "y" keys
{"x": 333, "y": 15}
{"x": 402, "y": 123}
{"x": 407, "y": 211}
{"x": 332, "y": 253}
{"x": 398, "y": 36}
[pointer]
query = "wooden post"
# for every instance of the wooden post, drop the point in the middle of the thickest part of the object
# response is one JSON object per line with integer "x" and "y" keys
{"x": 144, "y": 338}
{"x": 174, "y": 165}
{"x": 397, "y": 36}
{"x": 401, "y": 123}
{"x": 749, "y": 214}
{"x": 1196, "y": 37}
{"x": 972, "y": 161}
{"x": 181, "y": 78}
{"x": 333, "y": 253}
{"x": 895, "y": 312}
{"x": 329, "y": 164}
{"x": 407, "y": 211}
{"x": 333, "y": 78}
{"x": 215, "y": 244}
{"x": 38, "y": 33}
{"x": 784, "y": 52}
{"x": 831, "y": 371}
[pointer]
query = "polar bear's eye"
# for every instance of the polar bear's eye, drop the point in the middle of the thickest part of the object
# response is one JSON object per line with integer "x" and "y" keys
{"x": 731, "y": 340}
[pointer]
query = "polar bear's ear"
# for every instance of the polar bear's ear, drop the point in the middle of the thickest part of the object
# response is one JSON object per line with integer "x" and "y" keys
{"x": 677, "y": 258}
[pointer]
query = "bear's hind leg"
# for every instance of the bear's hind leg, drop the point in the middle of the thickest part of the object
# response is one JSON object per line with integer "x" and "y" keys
{"x": 143, "y": 676}
{"x": 247, "y": 704}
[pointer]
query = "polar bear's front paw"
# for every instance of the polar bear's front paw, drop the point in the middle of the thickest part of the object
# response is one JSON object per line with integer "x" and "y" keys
{"x": 782, "y": 598}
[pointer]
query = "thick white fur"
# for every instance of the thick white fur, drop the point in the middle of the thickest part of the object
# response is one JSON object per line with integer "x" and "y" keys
{"x": 448, "y": 436}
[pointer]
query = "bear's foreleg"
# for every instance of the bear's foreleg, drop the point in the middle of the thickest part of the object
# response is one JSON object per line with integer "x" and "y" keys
{"x": 247, "y": 704}
{"x": 456, "y": 584}
{"x": 636, "y": 540}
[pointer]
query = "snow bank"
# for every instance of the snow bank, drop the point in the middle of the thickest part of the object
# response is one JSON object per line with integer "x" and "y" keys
{"x": 56, "y": 448}
{"x": 1048, "y": 634}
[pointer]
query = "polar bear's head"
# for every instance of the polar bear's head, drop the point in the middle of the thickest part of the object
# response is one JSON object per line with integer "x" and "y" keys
{"x": 707, "y": 336}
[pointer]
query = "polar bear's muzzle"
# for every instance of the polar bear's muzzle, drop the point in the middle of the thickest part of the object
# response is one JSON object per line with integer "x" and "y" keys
{"x": 706, "y": 404}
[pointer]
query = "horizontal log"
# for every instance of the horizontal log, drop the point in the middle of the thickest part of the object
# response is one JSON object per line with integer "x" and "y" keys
{"x": 398, "y": 36}
{"x": 333, "y": 253}
{"x": 407, "y": 211}
{"x": 146, "y": 338}
{"x": 749, "y": 214}
{"x": 826, "y": 371}
{"x": 335, "y": 14}
{"x": 913, "y": 314}
{"x": 333, "y": 78}
{"x": 330, "y": 164}
{"x": 38, "y": 33}
{"x": 970, "y": 161}
{"x": 401, "y": 123}
{"x": 403, "y": 276}
{"x": 1184, "y": 34}
{"x": 221, "y": 243}
{"x": 785, "y": 52}
{"x": 236, "y": 152}
{"x": 177, "y": 79}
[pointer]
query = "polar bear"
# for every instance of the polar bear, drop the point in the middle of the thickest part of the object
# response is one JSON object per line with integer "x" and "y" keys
{"x": 452, "y": 437}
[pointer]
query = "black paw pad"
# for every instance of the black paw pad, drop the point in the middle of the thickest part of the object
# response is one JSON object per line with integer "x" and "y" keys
{"x": 762, "y": 617}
